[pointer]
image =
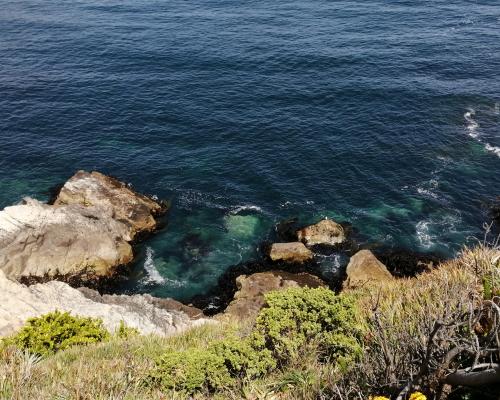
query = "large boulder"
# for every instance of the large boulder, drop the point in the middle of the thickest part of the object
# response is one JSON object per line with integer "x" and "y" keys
{"x": 86, "y": 234}
{"x": 325, "y": 232}
{"x": 93, "y": 189}
{"x": 249, "y": 298}
{"x": 293, "y": 252}
{"x": 143, "y": 312}
{"x": 364, "y": 268}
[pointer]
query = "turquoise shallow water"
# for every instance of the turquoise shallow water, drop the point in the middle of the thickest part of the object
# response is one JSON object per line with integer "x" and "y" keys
{"x": 383, "y": 113}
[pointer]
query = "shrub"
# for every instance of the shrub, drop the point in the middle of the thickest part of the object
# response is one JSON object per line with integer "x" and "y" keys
{"x": 125, "y": 332}
{"x": 298, "y": 316}
{"x": 428, "y": 331}
{"x": 292, "y": 319}
{"x": 242, "y": 360}
{"x": 191, "y": 370}
{"x": 56, "y": 331}
{"x": 212, "y": 368}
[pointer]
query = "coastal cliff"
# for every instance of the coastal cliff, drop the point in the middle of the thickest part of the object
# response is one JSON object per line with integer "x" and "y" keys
{"x": 266, "y": 318}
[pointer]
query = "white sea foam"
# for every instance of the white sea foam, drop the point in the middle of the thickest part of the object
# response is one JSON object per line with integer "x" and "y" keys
{"x": 429, "y": 230}
{"x": 150, "y": 267}
{"x": 250, "y": 207}
{"x": 190, "y": 199}
{"x": 492, "y": 149}
{"x": 471, "y": 125}
{"x": 428, "y": 189}
{"x": 288, "y": 203}
{"x": 423, "y": 234}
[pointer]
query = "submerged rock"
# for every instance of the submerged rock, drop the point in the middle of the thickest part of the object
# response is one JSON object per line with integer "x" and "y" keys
{"x": 495, "y": 210}
{"x": 364, "y": 268}
{"x": 87, "y": 233}
{"x": 325, "y": 232}
{"x": 143, "y": 312}
{"x": 293, "y": 252}
{"x": 249, "y": 298}
{"x": 403, "y": 263}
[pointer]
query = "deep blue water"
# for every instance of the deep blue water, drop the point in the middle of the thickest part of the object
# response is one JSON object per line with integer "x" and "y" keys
{"x": 382, "y": 113}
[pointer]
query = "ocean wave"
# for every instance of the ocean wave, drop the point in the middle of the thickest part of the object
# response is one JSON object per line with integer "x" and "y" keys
{"x": 471, "y": 125}
{"x": 492, "y": 149}
{"x": 242, "y": 208}
{"x": 424, "y": 236}
{"x": 288, "y": 204}
{"x": 429, "y": 230}
{"x": 192, "y": 198}
{"x": 428, "y": 189}
{"x": 153, "y": 275}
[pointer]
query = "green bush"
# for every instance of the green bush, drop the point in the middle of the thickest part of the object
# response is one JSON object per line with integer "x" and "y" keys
{"x": 296, "y": 317}
{"x": 292, "y": 319}
{"x": 125, "y": 332}
{"x": 191, "y": 370}
{"x": 242, "y": 360}
{"x": 56, "y": 331}
{"x": 213, "y": 368}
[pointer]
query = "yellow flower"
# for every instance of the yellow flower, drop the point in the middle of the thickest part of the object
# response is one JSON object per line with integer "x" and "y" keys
{"x": 417, "y": 396}
{"x": 379, "y": 398}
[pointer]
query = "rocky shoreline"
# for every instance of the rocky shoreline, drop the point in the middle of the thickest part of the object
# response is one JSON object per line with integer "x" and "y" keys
{"x": 85, "y": 238}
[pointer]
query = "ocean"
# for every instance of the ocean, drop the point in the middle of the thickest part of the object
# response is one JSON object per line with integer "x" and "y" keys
{"x": 385, "y": 114}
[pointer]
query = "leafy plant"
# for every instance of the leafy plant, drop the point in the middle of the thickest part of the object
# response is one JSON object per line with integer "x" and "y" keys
{"x": 56, "y": 331}
{"x": 293, "y": 318}
{"x": 125, "y": 332}
{"x": 191, "y": 370}
{"x": 298, "y": 316}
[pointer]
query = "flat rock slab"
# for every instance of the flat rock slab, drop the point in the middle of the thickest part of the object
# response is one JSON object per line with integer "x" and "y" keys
{"x": 325, "y": 232}
{"x": 249, "y": 298}
{"x": 364, "y": 268}
{"x": 143, "y": 312}
{"x": 293, "y": 252}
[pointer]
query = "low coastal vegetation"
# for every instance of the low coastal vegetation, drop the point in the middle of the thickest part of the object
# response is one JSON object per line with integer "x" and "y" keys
{"x": 435, "y": 336}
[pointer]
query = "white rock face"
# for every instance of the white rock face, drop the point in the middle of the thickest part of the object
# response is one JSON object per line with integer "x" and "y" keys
{"x": 37, "y": 240}
{"x": 19, "y": 302}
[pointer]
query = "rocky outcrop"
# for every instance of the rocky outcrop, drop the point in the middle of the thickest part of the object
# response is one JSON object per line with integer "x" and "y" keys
{"x": 86, "y": 233}
{"x": 325, "y": 232}
{"x": 37, "y": 240}
{"x": 364, "y": 268}
{"x": 293, "y": 252}
{"x": 249, "y": 298}
{"x": 93, "y": 189}
{"x": 143, "y": 312}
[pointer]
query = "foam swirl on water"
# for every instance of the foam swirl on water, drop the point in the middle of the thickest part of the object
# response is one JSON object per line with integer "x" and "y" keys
{"x": 471, "y": 125}
{"x": 154, "y": 275}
